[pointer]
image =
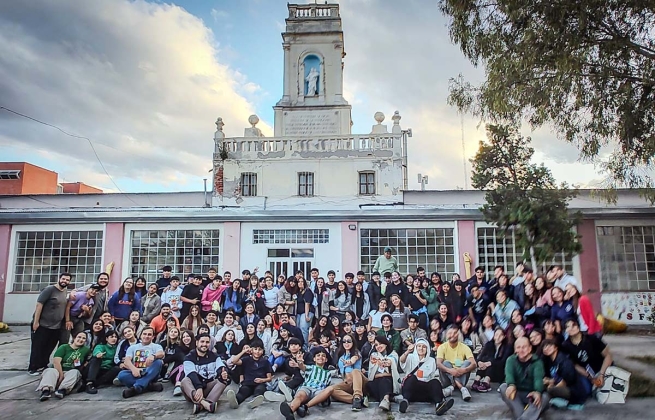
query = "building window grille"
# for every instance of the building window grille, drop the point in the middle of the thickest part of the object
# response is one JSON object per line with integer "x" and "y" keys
{"x": 291, "y": 236}
{"x": 306, "y": 184}
{"x": 366, "y": 183}
{"x": 627, "y": 257}
{"x": 249, "y": 184}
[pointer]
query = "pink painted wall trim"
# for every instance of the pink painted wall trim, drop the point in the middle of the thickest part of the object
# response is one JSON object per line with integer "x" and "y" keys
{"x": 231, "y": 249}
{"x": 589, "y": 271}
{"x": 467, "y": 242}
{"x": 114, "y": 241}
{"x": 349, "y": 248}
{"x": 5, "y": 238}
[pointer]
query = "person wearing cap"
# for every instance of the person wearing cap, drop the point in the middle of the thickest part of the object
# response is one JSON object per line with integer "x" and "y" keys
{"x": 315, "y": 389}
{"x": 165, "y": 280}
{"x": 390, "y": 333}
{"x": 386, "y": 263}
{"x": 376, "y": 288}
{"x": 421, "y": 382}
{"x": 78, "y": 309}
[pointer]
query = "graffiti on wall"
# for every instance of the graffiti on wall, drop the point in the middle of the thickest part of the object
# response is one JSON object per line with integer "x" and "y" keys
{"x": 631, "y": 308}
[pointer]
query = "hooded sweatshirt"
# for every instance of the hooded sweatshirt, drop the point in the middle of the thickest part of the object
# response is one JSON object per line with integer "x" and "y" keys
{"x": 428, "y": 369}
{"x": 393, "y": 356}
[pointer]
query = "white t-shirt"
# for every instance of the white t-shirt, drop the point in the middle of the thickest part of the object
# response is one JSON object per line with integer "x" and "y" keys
{"x": 270, "y": 298}
{"x": 376, "y": 318}
{"x": 140, "y": 352}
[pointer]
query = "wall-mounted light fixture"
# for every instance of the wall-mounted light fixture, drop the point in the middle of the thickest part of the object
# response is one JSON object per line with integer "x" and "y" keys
{"x": 352, "y": 227}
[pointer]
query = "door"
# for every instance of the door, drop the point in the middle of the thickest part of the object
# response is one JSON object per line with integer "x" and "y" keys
{"x": 288, "y": 261}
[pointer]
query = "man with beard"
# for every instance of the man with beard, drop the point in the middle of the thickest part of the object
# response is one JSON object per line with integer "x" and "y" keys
{"x": 455, "y": 360}
{"x": 143, "y": 362}
{"x": 206, "y": 376}
{"x": 47, "y": 323}
{"x": 159, "y": 322}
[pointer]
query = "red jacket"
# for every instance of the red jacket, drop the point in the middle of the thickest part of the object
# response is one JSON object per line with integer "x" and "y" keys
{"x": 586, "y": 311}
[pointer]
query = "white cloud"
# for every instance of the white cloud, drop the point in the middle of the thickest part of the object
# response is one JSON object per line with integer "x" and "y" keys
{"x": 144, "y": 81}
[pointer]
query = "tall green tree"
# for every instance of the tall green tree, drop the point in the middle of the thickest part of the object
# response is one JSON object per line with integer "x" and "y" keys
{"x": 584, "y": 67}
{"x": 523, "y": 197}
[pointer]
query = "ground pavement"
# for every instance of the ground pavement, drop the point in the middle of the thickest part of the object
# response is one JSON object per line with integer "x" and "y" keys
{"x": 19, "y": 400}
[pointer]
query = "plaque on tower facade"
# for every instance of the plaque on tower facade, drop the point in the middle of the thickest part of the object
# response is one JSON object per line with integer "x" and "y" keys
{"x": 311, "y": 123}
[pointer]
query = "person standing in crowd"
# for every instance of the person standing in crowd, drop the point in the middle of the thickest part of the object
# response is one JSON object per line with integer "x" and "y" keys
{"x": 191, "y": 295}
{"x": 304, "y": 308}
{"x": 143, "y": 362}
{"x": 455, "y": 360}
{"x": 212, "y": 273}
{"x": 47, "y": 323}
{"x": 172, "y": 295}
{"x": 396, "y": 287}
{"x": 124, "y": 301}
{"x": 150, "y": 304}
{"x": 78, "y": 309}
{"x": 165, "y": 280}
{"x": 386, "y": 263}
{"x": 560, "y": 277}
{"x": 68, "y": 360}
{"x": 523, "y": 390}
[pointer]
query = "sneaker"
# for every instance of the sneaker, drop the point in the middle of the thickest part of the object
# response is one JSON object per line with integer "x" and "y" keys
{"x": 212, "y": 407}
{"x": 177, "y": 391}
{"x": 357, "y": 404}
{"x": 197, "y": 408}
{"x": 466, "y": 395}
{"x": 476, "y": 386}
{"x": 385, "y": 405}
{"x": 284, "y": 389}
{"x": 576, "y": 407}
{"x": 444, "y": 406}
{"x": 484, "y": 387}
{"x": 559, "y": 403}
{"x": 302, "y": 410}
{"x": 448, "y": 391}
{"x": 326, "y": 403}
{"x": 116, "y": 382}
{"x": 33, "y": 372}
{"x": 60, "y": 393}
{"x": 129, "y": 392}
{"x": 232, "y": 399}
{"x": 256, "y": 402}
{"x": 274, "y": 396}
{"x": 91, "y": 389}
{"x": 45, "y": 395}
{"x": 285, "y": 410}
{"x": 365, "y": 402}
{"x": 403, "y": 405}
{"x": 155, "y": 387}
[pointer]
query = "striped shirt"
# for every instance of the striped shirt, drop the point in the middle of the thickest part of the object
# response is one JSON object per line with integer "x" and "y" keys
{"x": 316, "y": 377}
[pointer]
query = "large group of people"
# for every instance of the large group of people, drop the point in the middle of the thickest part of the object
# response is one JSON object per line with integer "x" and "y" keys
{"x": 302, "y": 342}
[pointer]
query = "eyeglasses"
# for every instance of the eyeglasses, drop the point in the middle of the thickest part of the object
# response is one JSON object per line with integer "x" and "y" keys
{"x": 347, "y": 341}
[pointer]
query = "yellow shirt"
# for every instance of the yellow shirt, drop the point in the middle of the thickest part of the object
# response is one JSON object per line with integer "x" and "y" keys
{"x": 456, "y": 355}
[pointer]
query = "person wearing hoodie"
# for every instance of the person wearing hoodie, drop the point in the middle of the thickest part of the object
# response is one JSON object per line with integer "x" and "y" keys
{"x": 421, "y": 383}
{"x": 102, "y": 369}
{"x": 124, "y": 301}
{"x": 383, "y": 379}
{"x": 211, "y": 296}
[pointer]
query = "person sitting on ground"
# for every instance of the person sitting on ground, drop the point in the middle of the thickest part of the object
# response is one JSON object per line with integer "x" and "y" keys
{"x": 410, "y": 335}
{"x": 143, "y": 362}
{"x": 563, "y": 383}
{"x": 421, "y": 382}
{"x": 589, "y": 353}
{"x": 128, "y": 339}
{"x": 158, "y": 323}
{"x": 383, "y": 379}
{"x": 321, "y": 325}
{"x": 523, "y": 390}
{"x": 230, "y": 324}
{"x": 65, "y": 373}
{"x": 257, "y": 372}
{"x": 389, "y": 333}
{"x": 193, "y": 321}
{"x": 173, "y": 354}
{"x": 102, "y": 369}
{"x": 162, "y": 336}
{"x": 187, "y": 344}
{"x": 351, "y": 390}
{"x": 491, "y": 362}
{"x": 469, "y": 336}
{"x": 135, "y": 322}
{"x": 455, "y": 360}
{"x": 315, "y": 389}
{"x": 108, "y": 320}
{"x": 205, "y": 377}
{"x": 368, "y": 348}
{"x": 250, "y": 317}
{"x": 282, "y": 389}
{"x": 280, "y": 349}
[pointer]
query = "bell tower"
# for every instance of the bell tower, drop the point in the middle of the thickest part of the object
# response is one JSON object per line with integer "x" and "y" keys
{"x": 312, "y": 103}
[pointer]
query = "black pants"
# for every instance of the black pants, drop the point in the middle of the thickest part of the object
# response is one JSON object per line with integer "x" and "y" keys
{"x": 99, "y": 376}
{"x": 246, "y": 391}
{"x": 172, "y": 361}
{"x": 44, "y": 341}
{"x": 417, "y": 391}
{"x": 379, "y": 388}
{"x": 495, "y": 372}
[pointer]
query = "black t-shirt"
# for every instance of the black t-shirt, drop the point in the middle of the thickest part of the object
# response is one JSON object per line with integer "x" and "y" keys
{"x": 479, "y": 307}
{"x": 588, "y": 353}
{"x": 191, "y": 291}
{"x": 254, "y": 369}
{"x": 305, "y": 297}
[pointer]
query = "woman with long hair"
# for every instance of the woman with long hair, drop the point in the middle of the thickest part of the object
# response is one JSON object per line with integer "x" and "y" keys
{"x": 96, "y": 334}
{"x": 418, "y": 303}
{"x": 233, "y": 298}
{"x": 173, "y": 355}
{"x": 322, "y": 297}
{"x": 491, "y": 362}
{"x": 458, "y": 300}
{"x": 321, "y": 325}
{"x": 280, "y": 350}
{"x": 193, "y": 320}
{"x": 544, "y": 299}
{"x": 187, "y": 343}
{"x": 135, "y": 322}
{"x": 469, "y": 336}
{"x": 249, "y": 335}
{"x": 227, "y": 346}
{"x": 486, "y": 330}
{"x": 383, "y": 378}
{"x": 361, "y": 305}
{"x": 304, "y": 307}
{"x": 562, "y": 309}
{"x": 140, "y": 287}
{"x": 124, "y": 301}
{"x": 375, "y": 316}
{"x": 286, "y": 296}
{"x": 340, "y": 301}
{"x": 265, "y": 334}
{"x": 584, "y": 310}
{"x": 255, "y": 294}
{"x": 128, "y": 339}
{"x": 399, "y": 313}
{"x": 349, "y": 364}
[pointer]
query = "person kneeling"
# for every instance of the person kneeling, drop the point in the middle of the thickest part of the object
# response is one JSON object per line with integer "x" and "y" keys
{"x": 257, "y": 372}
{"x": 316, "y": 388}
{"x": 143, "y": 362}
{"x": 422, "y": 381}
{"x": 67, "y": 361}
{"x": 206, "y": 377}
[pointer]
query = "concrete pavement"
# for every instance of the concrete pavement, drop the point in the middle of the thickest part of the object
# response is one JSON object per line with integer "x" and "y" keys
{"x": 18, "y": 398}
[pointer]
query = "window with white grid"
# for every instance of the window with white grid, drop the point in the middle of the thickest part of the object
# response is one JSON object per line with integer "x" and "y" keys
{"x": 187, "y": 251}
{"x": 432, "y": 249}
{"x": 249, "y": 184}
{"x": 42, "y": 256}
{"x": 494, "y": 249}
{"x": 367, "y": 183}
{"x": 627, "y": 257}
{"x": 290, "y": 236}
{"x": 306, "y": 184}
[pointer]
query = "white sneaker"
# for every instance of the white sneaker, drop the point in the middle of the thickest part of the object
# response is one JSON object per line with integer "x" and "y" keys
{"x": 116, "y": 382}
{"x": 448, "y": 391}
{"x": 177, "y": 391}
{"x": 385, "y": 405}
{"x": 232, "y": 399}
{"x": 466, "y": 395}
{"x": 284, "y": 389}
{"x": 274, "y": 396}
{"x": 256, "y": 402}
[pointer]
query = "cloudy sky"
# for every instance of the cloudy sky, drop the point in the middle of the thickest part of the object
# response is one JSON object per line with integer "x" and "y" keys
{"x": 145, "y": 81}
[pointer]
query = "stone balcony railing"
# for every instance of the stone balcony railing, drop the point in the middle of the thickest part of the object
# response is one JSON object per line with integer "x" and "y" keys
{"x": 383, "y": 145}
{"x": 304, "y": 11}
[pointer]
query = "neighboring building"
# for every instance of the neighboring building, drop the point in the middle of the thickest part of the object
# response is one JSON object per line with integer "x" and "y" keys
{"x": 22, "y": 178}
{"x": 304, "y": 199}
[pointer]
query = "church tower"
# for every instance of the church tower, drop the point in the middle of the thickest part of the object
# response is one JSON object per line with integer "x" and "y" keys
{"x": 312, "y": 103}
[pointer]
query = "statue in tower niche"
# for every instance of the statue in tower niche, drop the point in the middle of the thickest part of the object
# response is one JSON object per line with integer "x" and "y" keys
{"x": 312, "y": 82}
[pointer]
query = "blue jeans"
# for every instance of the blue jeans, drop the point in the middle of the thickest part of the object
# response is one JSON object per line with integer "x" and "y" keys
{"x": 279, "y": 361}
{"x": 304, "y": 325}
{"x": 151, "y": 374}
